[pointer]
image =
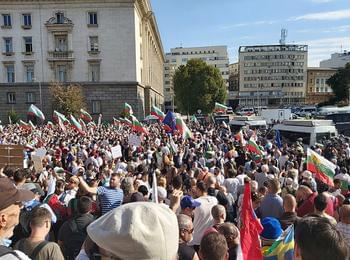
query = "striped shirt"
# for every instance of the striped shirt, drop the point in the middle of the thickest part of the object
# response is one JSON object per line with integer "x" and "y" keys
{"x": 345, "y": 230}
{"x": 110, "y": 198}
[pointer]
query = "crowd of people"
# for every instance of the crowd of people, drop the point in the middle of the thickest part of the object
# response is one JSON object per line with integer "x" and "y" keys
{"x": 168, "y": 197}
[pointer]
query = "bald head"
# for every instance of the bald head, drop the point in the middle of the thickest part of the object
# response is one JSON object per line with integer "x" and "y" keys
{"x": 289, "y": 203}
{"x": 345, "y": 214}
{"x": 219, "y": 213}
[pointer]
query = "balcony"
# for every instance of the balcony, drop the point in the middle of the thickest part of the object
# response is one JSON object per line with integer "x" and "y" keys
{"x": 60, "y": 56}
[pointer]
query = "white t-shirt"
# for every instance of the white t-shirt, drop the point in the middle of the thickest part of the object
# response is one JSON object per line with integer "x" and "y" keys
{"x": 202, "y": 218}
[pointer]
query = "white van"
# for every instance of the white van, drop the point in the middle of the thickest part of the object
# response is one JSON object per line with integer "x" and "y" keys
{"x": 246, "y": 111}
{"x": 254, "y": 122}
{"x": 311, "y": 131}
{"x": 307, "y": 111}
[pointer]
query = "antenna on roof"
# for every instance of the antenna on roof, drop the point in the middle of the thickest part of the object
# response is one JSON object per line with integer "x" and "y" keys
{"x": 284, "y": 34}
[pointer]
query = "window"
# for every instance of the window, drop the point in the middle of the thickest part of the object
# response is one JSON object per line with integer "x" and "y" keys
{"x": 92, "y": 18}
{"x": 11, "y": 97}
{"x": 94, "y": 74}
{"x": 29, "y": 72}
{"x": 61, "y": 73}
{"x": 30, "y": 97}
{"x": 27, "y": 20}
{"x": 8, "y": 45}
{"x": 59, "y": 17}
{"x": 61, "y": 43}
{"x": 7, "y": 20}
{"x": 96, "y": 106}
{"x": 94, "y": 43}
{"x": 28, "y": 44}
{"x": 10, "y": 72}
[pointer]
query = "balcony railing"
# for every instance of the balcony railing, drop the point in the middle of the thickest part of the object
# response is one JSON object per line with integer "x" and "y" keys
{"x": 60, "y": 55}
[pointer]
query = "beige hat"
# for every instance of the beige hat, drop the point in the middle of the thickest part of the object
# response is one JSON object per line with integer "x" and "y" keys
{"x": 138, "y": 230}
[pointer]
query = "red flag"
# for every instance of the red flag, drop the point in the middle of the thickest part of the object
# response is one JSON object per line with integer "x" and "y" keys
{"x": 251, "y": 228}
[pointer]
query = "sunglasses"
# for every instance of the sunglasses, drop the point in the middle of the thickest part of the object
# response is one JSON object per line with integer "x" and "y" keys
{"x": 189, "y": 231}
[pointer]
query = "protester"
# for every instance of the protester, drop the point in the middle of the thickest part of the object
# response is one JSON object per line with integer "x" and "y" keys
{"x": 36, "y": 246}
{"x": 213, "y": 246}
{"x": 317, "y": 238}
{"x": 186, "y": 229}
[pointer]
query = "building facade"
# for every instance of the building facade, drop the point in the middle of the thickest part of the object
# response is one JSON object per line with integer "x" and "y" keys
{"x": 271, "y": 75}
{"x": 317, "y": 90}
{"x": 233, "y": 85}
{"x": 111, "y": 48}
{"x": 337, "y": 60}
{"x": 213, "y": 55}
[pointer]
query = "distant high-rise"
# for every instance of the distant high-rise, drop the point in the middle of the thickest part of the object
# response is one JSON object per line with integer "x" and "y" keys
{"x": 337, "y": 60}
{"x": 213, "y": 55}
{"x": 272, "y": 74}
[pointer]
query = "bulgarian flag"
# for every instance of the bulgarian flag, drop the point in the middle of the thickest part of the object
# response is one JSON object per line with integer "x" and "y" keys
{"x": 24, "y": 125}
{"x": 60, "y": 117}
{"x": 85, "y": 116}
{"x": 76, "y": 125}
{"x": 31, "y": 124}
{"x": 323, "y": 169}
{"x": 115, "y": 121}
{"x": 49, "y": 125}
{"x": 194, "y": 119}
{"x": 137, "y": 126}
{"x": 125, "y": 121}
{"x": 183, "y": 129}
{"x": 155, "y": 111}
{"x": 252, "y": 147}
{"x": 220, "y": 108}
{"x": 240, "y": 137}
{"x": 91, "y": 124}
{"x": 34, "y": 111}
{"x": 128, "y": 109}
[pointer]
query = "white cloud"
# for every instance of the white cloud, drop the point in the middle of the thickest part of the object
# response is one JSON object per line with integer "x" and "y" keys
{"x": 336, "y": 29}
{"x": 321, "y": 1}
{"x": 238, "y": 25}
{"x": 333, "y": 15}
{"x": 321, "y": 49}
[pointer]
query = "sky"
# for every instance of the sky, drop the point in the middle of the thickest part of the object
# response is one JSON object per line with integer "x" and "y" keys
{"x": 324, "y": 25}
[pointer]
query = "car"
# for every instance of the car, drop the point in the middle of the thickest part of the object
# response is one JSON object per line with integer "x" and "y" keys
{"x": 229, "y": 110}
{"x": 246, "y": 111}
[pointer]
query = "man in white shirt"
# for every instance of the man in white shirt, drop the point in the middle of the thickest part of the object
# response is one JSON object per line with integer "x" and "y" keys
{"x": 202, "y": 214}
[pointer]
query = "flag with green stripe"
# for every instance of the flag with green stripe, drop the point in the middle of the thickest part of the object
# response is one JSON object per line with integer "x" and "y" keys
{"x": 323, "y": 169}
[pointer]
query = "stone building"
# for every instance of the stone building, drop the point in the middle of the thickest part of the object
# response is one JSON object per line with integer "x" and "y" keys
{"x": 111, "y": 48}
{"x": 233, "y": 85}
{"x": 317, "y": 90}
{"x": 272, "y": 75}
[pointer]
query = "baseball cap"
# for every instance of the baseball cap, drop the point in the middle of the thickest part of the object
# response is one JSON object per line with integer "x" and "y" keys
{"x": 188, "y": 202}
{"x": 9, "y": 194}
{"x": 138, "y": 230}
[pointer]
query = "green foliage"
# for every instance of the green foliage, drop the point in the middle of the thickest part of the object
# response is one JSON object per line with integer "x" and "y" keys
{"x": 340, "y": 83}
{"x": 67, "y": 99}
{"x": 198, "y": 86}
{"x": 13, "y": 117}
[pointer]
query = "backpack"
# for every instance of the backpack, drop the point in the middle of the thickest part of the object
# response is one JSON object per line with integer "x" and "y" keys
{"x": 76, "y": 240}
{"x": 7, "y": 251}
{"x": 36, "y": 250}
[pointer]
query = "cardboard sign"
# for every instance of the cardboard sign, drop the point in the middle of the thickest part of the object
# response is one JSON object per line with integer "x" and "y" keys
{"x": 116, "y": 151}
{"x": 41, "y": 152}
{"x": 11, "y": 155}
{"x": 38, "y": 165}
{"x": 134, "y": 140}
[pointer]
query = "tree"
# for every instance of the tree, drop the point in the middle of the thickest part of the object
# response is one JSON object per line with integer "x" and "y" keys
{"x": 67, "y": 99}
{"x": 198, "y": 86}
{"x": 13, "y": 117}
{"x": 340, "y": 84}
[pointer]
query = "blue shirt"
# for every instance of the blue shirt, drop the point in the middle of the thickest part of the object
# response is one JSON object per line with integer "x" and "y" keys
{"x": 271, "y": 206}
{"x": 109, "y": 198}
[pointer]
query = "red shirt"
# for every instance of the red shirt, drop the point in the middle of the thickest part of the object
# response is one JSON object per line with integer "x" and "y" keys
{"x": 307, "y": 206}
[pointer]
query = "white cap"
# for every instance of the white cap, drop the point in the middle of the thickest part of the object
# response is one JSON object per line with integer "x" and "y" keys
{"x": 138, "y": 230}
